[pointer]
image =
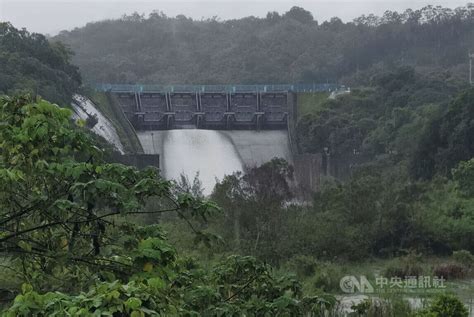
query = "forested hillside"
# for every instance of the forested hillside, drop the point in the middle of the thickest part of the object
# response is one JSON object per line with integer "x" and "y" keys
{"x": 30, "y": 63}
{"x": 292, "y": 47}
{"x": 400, "y": 116}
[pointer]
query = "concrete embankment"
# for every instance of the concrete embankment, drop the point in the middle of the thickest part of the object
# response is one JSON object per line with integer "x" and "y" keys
{"x": 84, "y": 109}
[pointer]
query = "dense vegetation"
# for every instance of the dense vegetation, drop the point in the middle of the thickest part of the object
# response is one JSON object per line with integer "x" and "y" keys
{"x": 292, "y": 47}
{"x": 378, "y": 213}
{"x": 30, "y": 63}
{"x": 423, "y": 121}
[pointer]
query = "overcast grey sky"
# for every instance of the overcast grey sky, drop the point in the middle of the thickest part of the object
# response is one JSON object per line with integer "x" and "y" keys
{"x": 52, "y": 16}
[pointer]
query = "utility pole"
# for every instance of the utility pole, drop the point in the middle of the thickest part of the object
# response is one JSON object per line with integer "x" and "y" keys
{"x": 471, "y": 56}
{"x": 153, "y": 142}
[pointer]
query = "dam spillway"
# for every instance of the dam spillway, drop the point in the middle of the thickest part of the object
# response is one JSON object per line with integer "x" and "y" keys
{"x": 229, "y": 107}
{"x": 207, "y": 131}
{"x": 205, "y": 110}
{"x": 213, "y": 153}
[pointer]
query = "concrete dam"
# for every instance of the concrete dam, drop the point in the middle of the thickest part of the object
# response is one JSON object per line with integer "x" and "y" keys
{"x": 224, "y": 107}
{"x": 214, "y": 132}
{"x": 165, "y": 111}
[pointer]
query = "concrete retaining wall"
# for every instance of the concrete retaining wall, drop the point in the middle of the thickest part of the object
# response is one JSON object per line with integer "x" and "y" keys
{"x": 308, "y": 171}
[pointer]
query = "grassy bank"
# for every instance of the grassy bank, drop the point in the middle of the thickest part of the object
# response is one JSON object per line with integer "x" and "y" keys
{"x": 310, "y": 102}
{"x": 125, "y": 130}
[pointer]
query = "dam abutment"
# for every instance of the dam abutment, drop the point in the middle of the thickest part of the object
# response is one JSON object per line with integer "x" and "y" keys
{"x": 308, "y": 168}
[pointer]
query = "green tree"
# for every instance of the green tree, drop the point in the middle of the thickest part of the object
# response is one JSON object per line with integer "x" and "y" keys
{"x": 300, "y": 15}
{"x": 448, "y": 140}
{"x": 30, "y": 63}
{"x": 464, "y": 176}
{"x": 253, "y": 204}
{"x": 445, "y": 306}
{"x": 57, "y": 195}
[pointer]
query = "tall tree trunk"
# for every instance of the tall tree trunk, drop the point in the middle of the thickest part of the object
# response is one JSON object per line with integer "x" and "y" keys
{"x": 237, "y": 228}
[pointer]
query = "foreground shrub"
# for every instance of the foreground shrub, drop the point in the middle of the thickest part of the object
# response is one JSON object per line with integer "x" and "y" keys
{"x": 303, "y": 265}
{"x": 327, "y": 277}
{"x": 451, "y": 271}
{"x": 444, "y": 306}
{"x": 405, "y": 266}
{"x": 396, "y": 307}
{"x": 235, "y": 287}
{"x": 464, "y": 257}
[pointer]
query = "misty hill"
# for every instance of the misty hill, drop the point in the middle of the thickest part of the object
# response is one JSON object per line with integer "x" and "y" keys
{"x": 29, "y": 62}
{"x": 292, "y": 47}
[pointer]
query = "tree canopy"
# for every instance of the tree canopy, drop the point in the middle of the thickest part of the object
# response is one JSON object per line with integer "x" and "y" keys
{"x": 291, "y": 47}
{"x": 29, "y": 62}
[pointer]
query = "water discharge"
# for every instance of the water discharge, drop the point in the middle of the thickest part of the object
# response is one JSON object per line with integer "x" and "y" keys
{"x": 190, "y": 151}
{"x": 213, "y": 153}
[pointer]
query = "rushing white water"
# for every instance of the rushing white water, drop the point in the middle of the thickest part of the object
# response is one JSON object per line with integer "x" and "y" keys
{"x": 190, "y": 151}
{"x": 212, "y": 153}
{"x": 258, "y": 147}
{"x": 84, "y": 108}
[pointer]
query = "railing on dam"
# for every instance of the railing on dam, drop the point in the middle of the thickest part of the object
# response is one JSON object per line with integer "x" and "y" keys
{"x": 217, "y": 88}
{"x": 159, "y": 107}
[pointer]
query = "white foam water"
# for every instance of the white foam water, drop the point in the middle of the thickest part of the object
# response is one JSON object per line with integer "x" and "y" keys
{"x": 213, "y": 153}
{"x": 189, "y": 151}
